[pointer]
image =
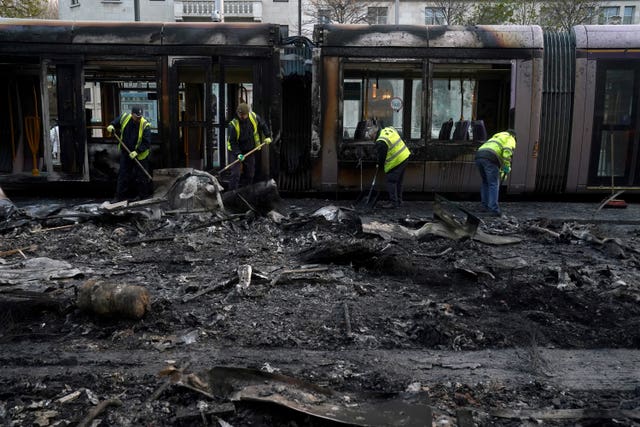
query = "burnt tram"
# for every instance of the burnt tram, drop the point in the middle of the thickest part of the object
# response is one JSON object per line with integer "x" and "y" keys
{"x": 572, "y": 98}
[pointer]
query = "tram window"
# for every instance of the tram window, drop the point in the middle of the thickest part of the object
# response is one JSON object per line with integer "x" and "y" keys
{"x": 618, "y": 97}
{"x": 131, "y": 98}
{"x": 616, "y": 119}
{"x": 380, "y": 94}
{"x": 416, "y": 109}
{"x": 381, "y": 102}
{"x": 452, "y": 100}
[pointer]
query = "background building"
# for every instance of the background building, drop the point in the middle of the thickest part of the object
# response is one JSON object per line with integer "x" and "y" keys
{"x": 298, "y": 16}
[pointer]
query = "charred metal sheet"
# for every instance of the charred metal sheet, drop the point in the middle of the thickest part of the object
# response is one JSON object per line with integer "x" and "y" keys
{"x": 607, "y": 36}
{"x": 213, "y": 33}
{"x": 354, "y": 409}
{"x": 34, "y": 31}
{"x": 117, "y": 33}
{"x": 138, "y": 33}
{"x": 486, "y": 36}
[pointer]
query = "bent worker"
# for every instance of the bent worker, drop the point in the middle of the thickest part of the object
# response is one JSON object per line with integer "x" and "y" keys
{"x": 246, "y": 132}
{"x": 135, "y": 130}
{"x": 493, "y": 160}
{"x": 393, "y": 155}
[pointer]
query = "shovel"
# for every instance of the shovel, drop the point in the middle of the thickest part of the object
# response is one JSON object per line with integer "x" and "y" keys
{"x": 368, "y": 202}
{"x": 442, "y": 210}
{"x": 135, "y": 159}
{"x": 258, "y": 147}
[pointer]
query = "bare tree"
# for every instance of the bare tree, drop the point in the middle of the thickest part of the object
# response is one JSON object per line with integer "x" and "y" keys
{"x": 453, "y": 11}
{"x": 526, "y": 12}
{"x": 490, "y": 12}
{"x": 338, "y": 11}
{"x": 564, "y": 14}
{"x": 22, "y": 8}
{"x": 51, "y": 12}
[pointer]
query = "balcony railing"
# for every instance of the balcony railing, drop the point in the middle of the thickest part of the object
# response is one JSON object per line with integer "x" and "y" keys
{"x": 199, "y": 9}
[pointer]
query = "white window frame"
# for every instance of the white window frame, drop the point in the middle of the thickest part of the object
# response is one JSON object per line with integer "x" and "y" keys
{"x": 377, "y": 15}
{"x": 434, "y": 16}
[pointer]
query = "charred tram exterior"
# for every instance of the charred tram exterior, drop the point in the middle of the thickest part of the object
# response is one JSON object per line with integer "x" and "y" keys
{"x": 72, "y": 78}
{"x": 573, "y": 99}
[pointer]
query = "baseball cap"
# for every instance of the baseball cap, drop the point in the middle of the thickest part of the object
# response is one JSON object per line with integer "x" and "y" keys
{"x": 243, "y": 108}
{"x": 137, "y": 110}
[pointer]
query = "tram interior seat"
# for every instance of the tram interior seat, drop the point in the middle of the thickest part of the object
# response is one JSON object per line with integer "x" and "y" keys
{"x": 478, "y": 130}
{"x": 461, "y": 130}
{"x": 445, "y": 130}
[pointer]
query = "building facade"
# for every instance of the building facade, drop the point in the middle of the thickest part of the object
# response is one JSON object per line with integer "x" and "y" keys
{"x": 295, "y": 17}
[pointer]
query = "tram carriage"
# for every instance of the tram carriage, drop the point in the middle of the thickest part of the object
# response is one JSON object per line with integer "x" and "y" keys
{"x": 572, "y": 98}
{"x": 444, "y": 88}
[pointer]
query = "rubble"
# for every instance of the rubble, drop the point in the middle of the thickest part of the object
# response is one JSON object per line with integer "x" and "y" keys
{"x": 368, "y": 310}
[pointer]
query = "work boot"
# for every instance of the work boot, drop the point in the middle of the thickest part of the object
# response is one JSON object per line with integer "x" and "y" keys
{"x": 388, "y": 205}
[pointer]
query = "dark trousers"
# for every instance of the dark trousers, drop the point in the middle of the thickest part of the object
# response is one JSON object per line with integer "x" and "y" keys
{"x": 490, "y": 189}
{"x": 242, "y": 173}
{"x": 394, "y": 183}
{"x": 132, "y": 181}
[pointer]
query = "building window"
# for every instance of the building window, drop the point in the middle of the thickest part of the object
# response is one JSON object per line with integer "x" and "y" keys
{"x": 324, "y": 16}
{"x": 629, "y": 11}
{"x": 609, "y": 15}
{"x": 592, "y": 16}
{"x": 281, "y": 1}
{"x": 284, "y": 31}
{"x": 434, "y": 16}
{"x": 377, "y": 15}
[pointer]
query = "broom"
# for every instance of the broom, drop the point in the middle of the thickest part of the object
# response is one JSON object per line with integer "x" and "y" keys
{"x": 32, "y": 130}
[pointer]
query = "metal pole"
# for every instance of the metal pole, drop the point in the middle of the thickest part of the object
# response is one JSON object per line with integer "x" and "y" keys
{"x": 299, "y": 17}
{"x": 397, "y": 12}
{"x": 136, "y": 10}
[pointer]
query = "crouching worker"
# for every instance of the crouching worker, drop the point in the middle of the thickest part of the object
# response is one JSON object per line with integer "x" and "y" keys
{"x": 393, "y": 155}
{"x": 135, "y": 131}
{"x": 493, "y": 160}
{"x": 245, "y": 133}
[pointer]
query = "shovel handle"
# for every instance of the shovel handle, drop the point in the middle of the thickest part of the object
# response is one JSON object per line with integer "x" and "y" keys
{"x": 135, "y": 159}
{"x": 257, "y": 147}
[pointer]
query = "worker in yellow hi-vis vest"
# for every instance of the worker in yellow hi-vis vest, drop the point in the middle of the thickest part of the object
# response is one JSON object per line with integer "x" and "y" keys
{"x": 245, "y": 132}
{"x": 393, "y": 155}
{"x": 135, "y": 131}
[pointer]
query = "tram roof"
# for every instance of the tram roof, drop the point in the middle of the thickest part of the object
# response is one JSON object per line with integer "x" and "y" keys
{"x": 429, "y": 36}
{"x": 145, "y": 33}
{"x": 607, "y": 36}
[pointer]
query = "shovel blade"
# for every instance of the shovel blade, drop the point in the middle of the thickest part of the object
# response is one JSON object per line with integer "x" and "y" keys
{"x": 366, "y": 200}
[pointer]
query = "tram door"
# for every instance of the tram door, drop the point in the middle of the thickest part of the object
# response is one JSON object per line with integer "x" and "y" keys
{"x": 616, "y": 146}
{"x": 204, "y": 95}
{"x": 193, "y": 108}
{"x": 237, "y": 88}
